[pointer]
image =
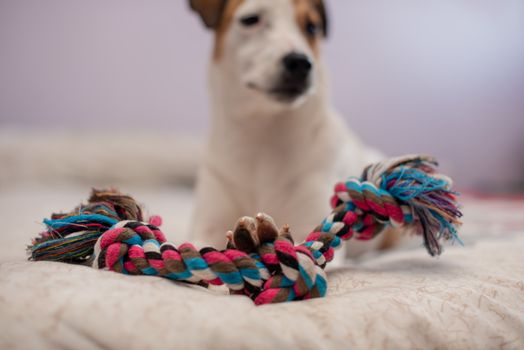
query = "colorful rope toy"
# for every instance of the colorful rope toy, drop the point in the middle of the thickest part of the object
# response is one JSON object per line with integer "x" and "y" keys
{"x": 260, "y": 261}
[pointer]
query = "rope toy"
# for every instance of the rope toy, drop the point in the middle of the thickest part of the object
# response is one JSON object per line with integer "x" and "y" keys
{"x": 260, "y": 261}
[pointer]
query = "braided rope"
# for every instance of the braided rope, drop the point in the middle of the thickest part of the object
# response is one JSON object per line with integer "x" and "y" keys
{"x": 260, "y": 261}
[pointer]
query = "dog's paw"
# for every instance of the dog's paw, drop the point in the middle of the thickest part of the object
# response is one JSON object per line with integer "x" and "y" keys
{"x": 250, "y": 233}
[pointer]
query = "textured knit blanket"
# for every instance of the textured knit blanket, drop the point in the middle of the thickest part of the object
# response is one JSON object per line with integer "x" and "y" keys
{"x": 470, "y": 298}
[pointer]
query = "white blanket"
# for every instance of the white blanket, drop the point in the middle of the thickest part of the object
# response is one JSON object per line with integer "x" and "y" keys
{"x": 470, "y": 298}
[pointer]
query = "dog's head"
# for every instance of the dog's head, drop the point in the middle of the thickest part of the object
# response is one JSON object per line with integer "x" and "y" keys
{"x": 271, "y": 46}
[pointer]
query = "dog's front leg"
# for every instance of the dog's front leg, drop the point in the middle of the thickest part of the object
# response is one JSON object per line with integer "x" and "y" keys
{"x": 216, "y": 210}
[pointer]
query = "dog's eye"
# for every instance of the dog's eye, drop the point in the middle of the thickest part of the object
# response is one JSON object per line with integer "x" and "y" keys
{"x": 249, "y": 21}
{"x": 311, "y": 28}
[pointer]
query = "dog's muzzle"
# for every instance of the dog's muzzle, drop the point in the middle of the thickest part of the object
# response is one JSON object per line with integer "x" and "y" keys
{"x": 295, "y": 79}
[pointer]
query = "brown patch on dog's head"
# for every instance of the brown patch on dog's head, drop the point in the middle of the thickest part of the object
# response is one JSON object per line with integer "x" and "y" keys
{"x": 322, "y": 11}
{"x": 209, "y": 10}
{"x": 312, "y": 20}
{"x": 216, "y": 15}
{"x": 225, "y": 23}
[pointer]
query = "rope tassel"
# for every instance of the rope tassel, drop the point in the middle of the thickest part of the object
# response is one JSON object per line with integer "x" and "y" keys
{"x": 261, "y": 260}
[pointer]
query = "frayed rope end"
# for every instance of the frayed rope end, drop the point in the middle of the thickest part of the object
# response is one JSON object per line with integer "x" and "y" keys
{"x": 415, "y": 184}
{"x": 71, "y": 237}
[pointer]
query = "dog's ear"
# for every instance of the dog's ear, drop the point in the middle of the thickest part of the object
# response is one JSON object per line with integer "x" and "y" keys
{"x": 209, "y": 10}
{"x": 322, "y": 10}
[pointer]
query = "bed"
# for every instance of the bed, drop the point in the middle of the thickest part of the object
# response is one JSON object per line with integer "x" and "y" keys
{"x": 472, "y": 297}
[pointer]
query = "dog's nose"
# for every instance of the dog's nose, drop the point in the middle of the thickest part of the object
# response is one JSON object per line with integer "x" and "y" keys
{"x": 297, "y": 65}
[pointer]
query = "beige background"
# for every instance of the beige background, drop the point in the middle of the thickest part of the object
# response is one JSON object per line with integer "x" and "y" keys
{"x": 439, "y": 76}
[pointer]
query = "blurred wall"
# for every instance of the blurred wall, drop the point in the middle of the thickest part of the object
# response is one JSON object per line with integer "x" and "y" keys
{"x": 444, "y": 77}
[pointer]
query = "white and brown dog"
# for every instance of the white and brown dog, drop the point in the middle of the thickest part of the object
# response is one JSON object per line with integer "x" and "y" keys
{"x": 276, "y": 145}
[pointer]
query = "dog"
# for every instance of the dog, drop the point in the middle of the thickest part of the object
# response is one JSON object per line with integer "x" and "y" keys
{"x": 276, "y": 143}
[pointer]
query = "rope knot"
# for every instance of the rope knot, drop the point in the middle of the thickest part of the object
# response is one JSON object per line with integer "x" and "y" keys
{"x": 130, "y": 247}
